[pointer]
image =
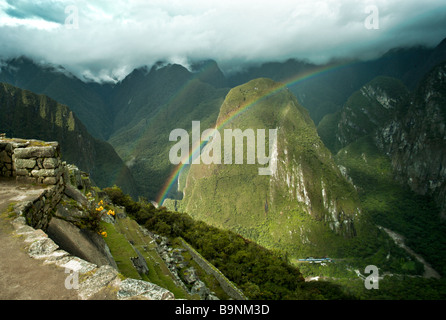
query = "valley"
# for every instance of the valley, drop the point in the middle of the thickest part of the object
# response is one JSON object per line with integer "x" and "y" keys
{"x": 339, "y": 160}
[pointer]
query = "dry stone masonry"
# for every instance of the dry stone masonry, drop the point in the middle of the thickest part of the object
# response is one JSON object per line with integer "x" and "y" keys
{"x": 31, "y": 161}
{"x": 34, "y": 162}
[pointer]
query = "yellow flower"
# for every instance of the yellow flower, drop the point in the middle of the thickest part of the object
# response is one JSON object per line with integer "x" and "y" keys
{"x": 101, "y": 203}
{"x": 111, "y": 212}
{"x": 103, "y": 233}
{"x": 100, "y": 208}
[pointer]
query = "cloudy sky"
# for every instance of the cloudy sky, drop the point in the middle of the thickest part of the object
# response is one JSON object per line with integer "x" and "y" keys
{"x": 106, "y": 39}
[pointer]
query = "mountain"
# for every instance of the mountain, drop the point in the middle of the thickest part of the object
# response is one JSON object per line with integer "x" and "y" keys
{"x": 406, "y": 126}
{"x": 390, "y": 142}
{"x": 26, "y": 114}
{"x": 415, "y": 138}
{"x": 86, "y": 100}
{"x": 144, "y": 91}
{"x": 306, "y": 193}
{"x": 365, "y": 110}
{"x": 136, "y": 114}
{"x": 132, "y": 114}
{"x": 323, "y": 89}
{"x": 150, "y": 104}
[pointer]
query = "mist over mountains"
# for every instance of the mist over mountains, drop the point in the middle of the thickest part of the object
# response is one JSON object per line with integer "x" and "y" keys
{"x": 136, "y": 114}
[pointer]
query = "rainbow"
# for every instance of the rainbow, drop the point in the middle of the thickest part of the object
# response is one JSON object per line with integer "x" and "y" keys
{"x": 173, "y": 178}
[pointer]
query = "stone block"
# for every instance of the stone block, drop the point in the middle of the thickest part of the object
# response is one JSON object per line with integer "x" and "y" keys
{"x": 39, "y": 163}
{"x": 25, "y": 163}
{"x": 103, "y": 277}
{"x": 4, "y": 157}
{"x": 51, "y": 163}
{"x": 50, "y": 180}
{"x": 138, "y": 288}
{"x": 75, "y": 194}
{"x": 76, "y": 264}
{"x": 41, "y": 248}
{"x": 9, "y": 148}
{"x": 43, "y": 173}
{"x": 36, "y": 152}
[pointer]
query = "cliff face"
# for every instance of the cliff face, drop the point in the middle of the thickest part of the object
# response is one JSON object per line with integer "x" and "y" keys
{"x": 366, "y": 110}
{"x": 416, "y": 139}
{"x": 408, "y": 127}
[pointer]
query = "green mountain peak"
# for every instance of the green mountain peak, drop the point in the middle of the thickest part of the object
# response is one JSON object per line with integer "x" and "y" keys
{"x": 305, "y": 182}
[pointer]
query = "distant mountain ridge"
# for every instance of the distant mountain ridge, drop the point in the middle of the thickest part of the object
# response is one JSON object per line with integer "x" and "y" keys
{"x": 326, "y": 93}
{"x": 86, "y": 100}
{"x": 127, "y": 112}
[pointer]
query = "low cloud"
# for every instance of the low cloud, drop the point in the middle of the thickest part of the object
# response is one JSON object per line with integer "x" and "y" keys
{"x": 110, "y": 38}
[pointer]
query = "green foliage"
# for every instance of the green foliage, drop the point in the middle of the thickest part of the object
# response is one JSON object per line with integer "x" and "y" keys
{"x": 327, "y": 129}
{"x": 260, "y": 273}
{"x": 234, "y": 196}
{"x": 148, "y": 105}
{"x": 121, "y": 251}
{"x": 396, "y": 288}
{"x": 394, "y": 206}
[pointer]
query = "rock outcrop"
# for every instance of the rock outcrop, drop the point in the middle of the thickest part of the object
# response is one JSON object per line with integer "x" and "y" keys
{"x": 409, "y": 127}
{"x": 416, "y": 139}
{"x": 184, "y": 277}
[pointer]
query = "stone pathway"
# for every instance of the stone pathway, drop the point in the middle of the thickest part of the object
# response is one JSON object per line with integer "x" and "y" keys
{"x": 22, "y": 277}
{"x": 32, "y": 267}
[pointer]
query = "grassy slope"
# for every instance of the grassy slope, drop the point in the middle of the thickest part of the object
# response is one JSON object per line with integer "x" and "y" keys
{"x": 118, "y": 239}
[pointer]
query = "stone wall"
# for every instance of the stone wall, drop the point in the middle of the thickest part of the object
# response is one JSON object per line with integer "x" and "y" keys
{"x": 37, "y": 163}
{"x": 31, "y": 161}
{"x": 38, "y": 170}
{"x": 225, "y": 284}
{"x": 6, "y": 168}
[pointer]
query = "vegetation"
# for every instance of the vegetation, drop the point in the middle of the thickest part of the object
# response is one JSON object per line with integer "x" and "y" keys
{"x": 266, "y": 274}
{"x": 123, "y": 237}
{"x": 178, "y": 98}
{"x": 269, "y": 209}
{"x": 391, "y": 205}
{"x": 260, "y": 273}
